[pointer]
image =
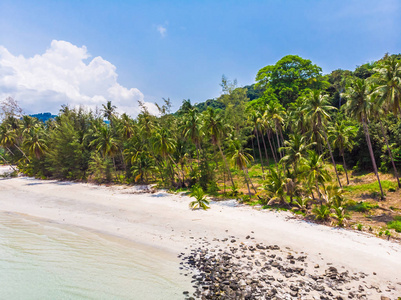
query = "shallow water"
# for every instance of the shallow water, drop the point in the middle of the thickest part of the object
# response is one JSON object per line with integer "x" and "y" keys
{"x": 42, "y": 260}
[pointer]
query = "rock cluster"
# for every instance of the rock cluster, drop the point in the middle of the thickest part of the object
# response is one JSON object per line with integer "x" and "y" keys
{"x": 248, "y": 270}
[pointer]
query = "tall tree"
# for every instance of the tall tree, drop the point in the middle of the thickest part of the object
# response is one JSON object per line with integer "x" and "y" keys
{"x": 241, "y": 159}
{"x": 358, "y": 106}
{"x": 213, "y": 126}
{"x": 317, "y": 108}
{"x": 289, "y": 77}
{"x": 388, "y": 79}
{"x": 342, "y": 135}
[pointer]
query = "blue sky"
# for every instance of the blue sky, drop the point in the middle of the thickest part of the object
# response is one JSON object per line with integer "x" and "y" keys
{"x": 180, "y": 49}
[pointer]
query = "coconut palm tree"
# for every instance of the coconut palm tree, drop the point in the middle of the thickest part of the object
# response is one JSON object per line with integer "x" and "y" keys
{"x": 314, "y": 172}
{"x": 254, "y": 120}
{"x": 388, "y": 80}
{"x": 35, "y": 142}
{"x": 342, "y": 136}
{"x": 241, "y": 159}
{"x": 317, "y": 108}
{"x": 358, "y": 106}
{"x": 165, "y": 145}
{"x": 268, "y": 126}
{"x": 275, "y": 186}
{"x": 275, "y": 111}
{"x": 191, "y": 128}
{"x": 378, "y": 111}
{"x": 109, "y": 111}
{"x": 213, "y": 127}
{"x": 295, "y": 148}
{"x": 105, "y": 142}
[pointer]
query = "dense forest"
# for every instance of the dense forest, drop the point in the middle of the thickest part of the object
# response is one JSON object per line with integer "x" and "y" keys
{"x": 292, "y": 138}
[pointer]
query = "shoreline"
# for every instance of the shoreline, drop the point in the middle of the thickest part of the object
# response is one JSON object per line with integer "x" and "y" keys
{"x": 164, "y": 221}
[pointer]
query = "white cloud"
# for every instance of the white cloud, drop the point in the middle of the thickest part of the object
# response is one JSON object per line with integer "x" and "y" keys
{"x": 162, "y": 30}
{"x": 60, "y": 76}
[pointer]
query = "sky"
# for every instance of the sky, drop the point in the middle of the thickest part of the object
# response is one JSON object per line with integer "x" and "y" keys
{"x": 80, "y": 52}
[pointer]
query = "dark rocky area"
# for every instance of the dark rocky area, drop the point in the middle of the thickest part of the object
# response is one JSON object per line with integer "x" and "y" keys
{"x": 230, "y": 269}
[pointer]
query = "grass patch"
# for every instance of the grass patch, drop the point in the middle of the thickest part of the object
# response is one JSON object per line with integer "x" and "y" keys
{"x": 371, "y": 187}
{"x": 362, "y": 206}
{"x": 395, "y": 224}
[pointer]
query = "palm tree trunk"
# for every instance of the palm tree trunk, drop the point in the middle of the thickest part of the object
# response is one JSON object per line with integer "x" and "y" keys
{"x": 332, "y": 157}
{"x": 390, "y": 154}
{"x": 1, "y": 156}
{"x": 271, "y": 148}
{"x": 345, "y": 166}
{"x": 260, "y": 153}
{"x": 246, "y": 181}
{"x": 267, "y": 157}
{"x": 10, "y": 151}
{"x": 278, "y": 144}
{"x": 178, "y": 169}
{"x": 225, "y": 162}
{"x": 253, "y": 148}
{"x": 365, "y": 128}
{"x": 23, "y": 153}
{"x": 249, "y": 178}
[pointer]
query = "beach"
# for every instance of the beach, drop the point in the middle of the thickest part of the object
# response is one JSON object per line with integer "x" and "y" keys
{"x": 164, "y": 221}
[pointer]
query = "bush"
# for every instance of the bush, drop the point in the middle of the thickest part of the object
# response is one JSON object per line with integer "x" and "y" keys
{"x": 321, "y": 212}
{"x": 359, "y": 227}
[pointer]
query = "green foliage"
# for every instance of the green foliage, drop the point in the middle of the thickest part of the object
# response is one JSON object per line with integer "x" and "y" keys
{"x": 371, "y": 187}
{"x": 100, "y": 168}
{"x": 321, "y": 212}
{"x": 395, "y": 224}
{"x": 289, "y": 77}
{"x": 340, "y": 169}
{"x": 340, "y": 214}
{"x": 362, "y": 206}
{"x": 302, "y": 202}
{"x": 359, "y": 226}
{"x": 200, "y": 200}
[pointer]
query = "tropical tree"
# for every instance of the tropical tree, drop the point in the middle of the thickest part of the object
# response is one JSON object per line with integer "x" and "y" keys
{"x": 165, "y": 145}
{"x": 342, "y": 136}
{"x": 317, "y": 108}
{"x": 35, "y": 142}
{"x": 388, "y": 80}
{"x": 241, "y": 159}
{"x": 378, "y": 112}
{"x": 109, "y": 112}
{"x": 295, "y": 148}
{"x": 359, "y": 107}
{"x": 191, "y": 128}
{"x": 314, "y": 172}
{"x": 275, "y": 186}
{"x": 214, "y": 128}
{"x": 254, "y": 120}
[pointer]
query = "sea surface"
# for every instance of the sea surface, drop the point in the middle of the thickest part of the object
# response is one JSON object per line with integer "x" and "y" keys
{"x": 44, "y": 260}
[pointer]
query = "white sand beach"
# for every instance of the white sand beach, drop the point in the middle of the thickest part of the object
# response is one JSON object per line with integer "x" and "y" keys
{"x": 165, "y": 221}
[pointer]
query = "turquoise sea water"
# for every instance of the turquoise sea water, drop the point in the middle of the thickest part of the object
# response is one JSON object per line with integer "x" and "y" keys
{"x": 42, "y": 260}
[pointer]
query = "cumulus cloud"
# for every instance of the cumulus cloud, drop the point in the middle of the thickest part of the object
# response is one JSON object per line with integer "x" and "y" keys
{"x": 60, "y": 76}
{"x": 162, "y": 30}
